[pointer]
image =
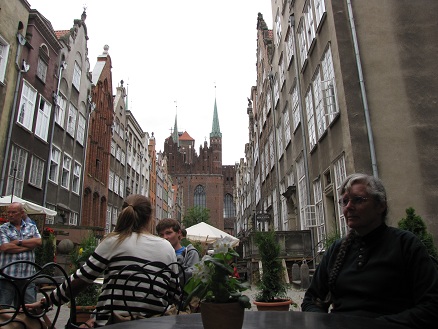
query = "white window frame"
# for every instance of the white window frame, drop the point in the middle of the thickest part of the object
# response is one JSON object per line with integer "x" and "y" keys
{"x": 296, "y": 118}
{"x": 18, "y": 162}
{"x": 329, "y": 85}
{"x": 60, "y": 110}
{"x": 43, "y": 119}
{"x": 36, "y": 172}
{"x": 277, "y": 29}
{"x": 280, "y": 147}
{"x": 55, "y": 160}
{"x": 302, "y": 191}
{"x": 302, "y": 42}
{"x": 27, "y": 105}
{"x": 287, "y": 132}
{"x": 80, "y": 136}
{"x": 319, "y": 213}
{"x": 319, "y": 6}
{"x": 310, "y": 119}
{"x": 321, "y": 122}
{"x": 76, "y": 182}
{"x": 4, "y": 54}
{"x": 77, "y": 72}
{"x": 340, "y": 175}
{"x": 73, "y": 218}
{"x": 111, "y": 180}
{"x": 71, "y": 120}
{"x": 116, "y": 184}
{"x": 66, "y": 171}
{"x": 310, "y": 23}
{"x": 42, "y": 69}
{"x": 290, "y": 47}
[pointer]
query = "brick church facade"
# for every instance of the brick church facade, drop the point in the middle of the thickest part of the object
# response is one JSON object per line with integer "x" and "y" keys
{"x": 202, "y": 177}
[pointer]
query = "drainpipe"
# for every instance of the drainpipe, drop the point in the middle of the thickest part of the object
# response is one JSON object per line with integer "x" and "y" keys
{"x": 362, "y": 90}
{"x": 21, "y": 69}
{"x": 62, "y": 67}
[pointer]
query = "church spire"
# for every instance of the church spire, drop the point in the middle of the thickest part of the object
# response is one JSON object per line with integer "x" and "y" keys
{"x": 215, "y": 130}
{"x": 175, "y": 136}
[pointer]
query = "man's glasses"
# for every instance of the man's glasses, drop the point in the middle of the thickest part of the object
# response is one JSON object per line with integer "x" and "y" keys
{"x": 354, "y": 200}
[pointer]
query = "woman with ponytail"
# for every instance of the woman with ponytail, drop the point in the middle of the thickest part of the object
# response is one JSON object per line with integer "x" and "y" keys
{"x": 375, "y": 270}
{"x": 129, "y": 243}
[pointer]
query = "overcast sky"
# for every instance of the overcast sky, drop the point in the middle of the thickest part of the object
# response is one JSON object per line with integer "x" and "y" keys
{"x": 171, "y": 55}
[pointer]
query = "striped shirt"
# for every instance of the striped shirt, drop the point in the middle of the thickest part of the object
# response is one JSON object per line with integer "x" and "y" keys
{"x": 9, "y": 233}
{"x": 109, "y": 258}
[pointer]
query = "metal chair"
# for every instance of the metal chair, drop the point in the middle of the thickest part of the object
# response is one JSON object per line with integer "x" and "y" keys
{"x": 15, "y": 315}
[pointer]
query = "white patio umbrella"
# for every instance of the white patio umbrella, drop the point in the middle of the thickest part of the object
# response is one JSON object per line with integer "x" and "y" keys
{"x": 30, "y": 207}
{"x": 206, "y": 233}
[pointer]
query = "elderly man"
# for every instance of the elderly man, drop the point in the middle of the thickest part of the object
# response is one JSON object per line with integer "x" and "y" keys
{"x": 18, "y": 239}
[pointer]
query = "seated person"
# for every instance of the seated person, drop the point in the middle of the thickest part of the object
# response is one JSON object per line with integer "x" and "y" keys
{"x": 130, "y": 243}
{"x": 187, "y": 256}
{"x": 375, "y": 271}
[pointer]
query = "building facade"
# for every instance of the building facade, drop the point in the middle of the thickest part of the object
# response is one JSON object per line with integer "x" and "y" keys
{"x": 95, "y": 192}
{"x": 204, "y": 181}
{"x": 342, "y": 87}
{"x": 72, "y": 109}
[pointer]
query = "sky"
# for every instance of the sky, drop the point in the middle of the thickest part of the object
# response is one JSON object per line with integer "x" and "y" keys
{"x": 175, "y": 57}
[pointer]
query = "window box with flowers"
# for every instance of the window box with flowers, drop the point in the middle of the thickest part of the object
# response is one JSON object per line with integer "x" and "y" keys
{"x": 219, "y": 291}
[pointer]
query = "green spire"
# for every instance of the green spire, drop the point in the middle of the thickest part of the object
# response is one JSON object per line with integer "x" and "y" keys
{"x": 215, "y": 130}
{"x": 175, "y": 136}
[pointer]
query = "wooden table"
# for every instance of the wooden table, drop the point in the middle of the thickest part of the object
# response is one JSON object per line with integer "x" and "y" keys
{"x": 255, "y": 320}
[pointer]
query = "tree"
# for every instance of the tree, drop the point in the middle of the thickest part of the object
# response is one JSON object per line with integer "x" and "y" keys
{"x": 196, "y": 215}
{"x": 416, "y": 225}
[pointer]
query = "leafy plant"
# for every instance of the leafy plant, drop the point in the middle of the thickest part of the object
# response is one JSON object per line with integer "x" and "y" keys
{"x": 271, "y": 285}
{"x": 79, "y": 255}
{"x": 213, "y": 280}
{"x": 195, "y": 215}
{"x": 416, "y": 225}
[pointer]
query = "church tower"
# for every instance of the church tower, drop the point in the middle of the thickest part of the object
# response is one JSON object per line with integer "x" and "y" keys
{"x": 216, "y": 141}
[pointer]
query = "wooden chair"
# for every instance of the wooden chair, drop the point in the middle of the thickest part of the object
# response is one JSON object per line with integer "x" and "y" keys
{"x": 16, "y": 315}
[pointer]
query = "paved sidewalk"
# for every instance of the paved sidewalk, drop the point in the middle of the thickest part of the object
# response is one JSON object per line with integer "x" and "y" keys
{"x": 296, "y": 295}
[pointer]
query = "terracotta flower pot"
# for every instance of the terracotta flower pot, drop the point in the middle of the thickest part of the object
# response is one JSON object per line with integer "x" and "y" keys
{"x": 222, "y": 315}
{"x": 277, "y": 305}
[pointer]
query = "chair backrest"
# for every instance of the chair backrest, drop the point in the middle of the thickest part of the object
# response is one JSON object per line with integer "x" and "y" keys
{"x": 142, "y": 290}
{"x": 14, "y": 314}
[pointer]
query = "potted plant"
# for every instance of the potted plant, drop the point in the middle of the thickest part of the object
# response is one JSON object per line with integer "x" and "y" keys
{"x": 220, "y": 293}
{"x": 272, "y": 289}
{"x": 86, "y": 300}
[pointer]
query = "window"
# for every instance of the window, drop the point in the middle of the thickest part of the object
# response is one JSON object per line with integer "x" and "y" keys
{"x": 118, "y": 152}
{"x": 123, "y": 158}
{"x": 310, "y": 119}
{"x": 302, "y": 42}
{"x": 81, "y": 129}
{"x": 229, "y": 210}
{"x": 272, "y": 159}
{"x": 108, "y": 218}
{"x": 71, "y": 120}
{"x": 319, "y": 10}
{"x": 199, "y": 197}
{"x": 27, "y": 105}
{"x": 290, "y": 47}
{"x": 73, "y": 219}
{"x": 113, "y": 148}
{"x": 280, "y": 147}
{"x": 277, "y": 29}
{"x": 60, "y": 110}
{"x": 76, "y": 183}
{"x": 302, "y": 190}
{"x": 17, "y": 169}
{"x": 111, "y": 180}
{"x": 310, "y": 24}
{"x": 287, "y": 133}
{"x": 36, "y": 172}
{"x": 77, "y": 76}
{"x": 43, "y": 119}
{"x": 321, "y": 122}
{"x": 54, "y": 164}
{"x": 41, "y": 69}
{"x": 340, "y": 175}
{"x": 4, "y": 53}
{"x": 66, "y": 167}
{"x": 329, "y": 85}
{"x": 295, "y": 108}
{"x": 319, "y": 213}
{"x": 116, "y": 184}
{"x": 122, "y": 188}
